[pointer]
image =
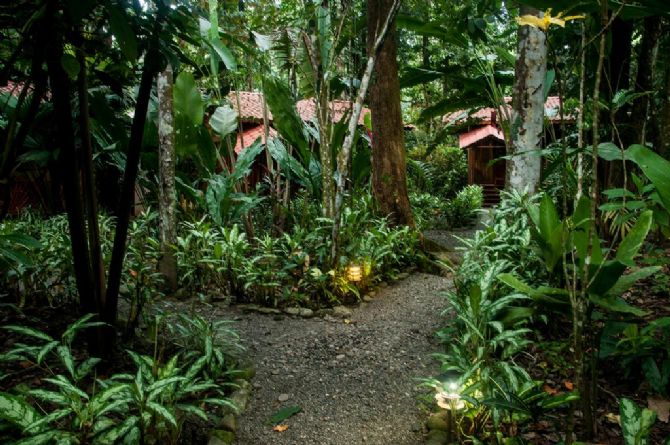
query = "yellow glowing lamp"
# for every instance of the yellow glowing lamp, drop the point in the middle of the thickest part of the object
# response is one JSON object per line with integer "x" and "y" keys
{"x": 354, "y": 273}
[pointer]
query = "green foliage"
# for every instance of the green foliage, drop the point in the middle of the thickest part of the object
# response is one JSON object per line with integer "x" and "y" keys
{"x": 461, "y": 210}
{"x": 48, "y": 274}
{"x": 623, "y": 207}
{"x": 636, "y": 423}
{"x": 12, "y": 248}
{"x": 443, "y": 171}
{"x": 294, "y": 268}
{"x": 637, "y": 348}
{"x": 148, "y": 406}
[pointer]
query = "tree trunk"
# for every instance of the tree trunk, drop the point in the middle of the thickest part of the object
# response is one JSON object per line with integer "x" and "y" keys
{"x": 167, "y": 230}
{"x": 389, "y": 182}
{"x": 523, "y": 169}
{"x": 645, "y": 77}
{"x": 88, "y": 184}
{"x": 69, "y": 165}
{"x": 127, "y": 196}
{"x": 664, "y": 126}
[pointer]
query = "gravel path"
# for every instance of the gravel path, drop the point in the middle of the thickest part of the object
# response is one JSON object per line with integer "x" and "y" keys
{"x": 354, "y": 378}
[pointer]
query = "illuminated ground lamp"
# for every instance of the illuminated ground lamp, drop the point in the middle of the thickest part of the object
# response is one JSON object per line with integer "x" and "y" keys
{"x": 450, "y": 399}
{"x": 354, "y": 273}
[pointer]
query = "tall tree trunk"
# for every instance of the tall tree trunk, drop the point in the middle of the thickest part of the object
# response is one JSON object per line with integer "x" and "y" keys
{"x": 88, "y": 183}
{"x": 389, "y": 182}
{"x": 664, "y": 120}
{"x": 69, "y": 165}
{"x": 128, "y": 193}
{"x": 644, "y": 82}
{"x": 344, "y": 155}
{"x": 167, "y": 230}
{"x": 523, "y": 169}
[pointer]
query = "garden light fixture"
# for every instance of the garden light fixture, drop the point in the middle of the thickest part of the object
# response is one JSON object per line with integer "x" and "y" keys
{"x": 354, "y": 273}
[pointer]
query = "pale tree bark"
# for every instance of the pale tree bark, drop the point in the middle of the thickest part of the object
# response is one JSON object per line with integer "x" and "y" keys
{"x": 523, "y": 169}
{"x": 645, "y": 77}
{"x": 344, "y": 155}
{"x": 389, "y": 181}
{"x": 167, "y": 231}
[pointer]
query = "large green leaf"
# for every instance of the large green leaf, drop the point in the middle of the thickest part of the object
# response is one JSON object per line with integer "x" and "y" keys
{"x": 119, "y": 23}
{"x": 189, "y": 112}
{"x": 616, "y": 304}
{"x": 17, "y": 411}
{"x": 187, "y": 99}
{"x": 285, "y": 117}
{"x": 655, "y": 168}
{"x": 223, "y": 120}
{"x": 431, "y": 29}
{"x": 626, "y": 281}
{"x": 604, "y": 276}
{"x": 636, "y": 423}
{"x": 632, "y": 243}
{"x": 224, "y": 53}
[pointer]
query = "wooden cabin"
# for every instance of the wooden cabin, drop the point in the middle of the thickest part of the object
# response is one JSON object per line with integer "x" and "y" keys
{"x": 483, "y": 139}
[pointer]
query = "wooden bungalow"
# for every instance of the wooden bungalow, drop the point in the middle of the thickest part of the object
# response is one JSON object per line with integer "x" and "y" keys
{"x": 483, "y": 139}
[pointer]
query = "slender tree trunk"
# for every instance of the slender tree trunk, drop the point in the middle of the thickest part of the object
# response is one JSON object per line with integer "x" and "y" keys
{"x": 88, "y": 182}
{"x": 664, "y": 127}
{"x": 644, "y": 82}
{"x": 389, "y": 182}
{"x": 128, "y": 193}
{"x": 69, "y": 165}
{"x": 523, "y": 169}
{"x": 344, "y": 155}
{"x": 167, "y": 223}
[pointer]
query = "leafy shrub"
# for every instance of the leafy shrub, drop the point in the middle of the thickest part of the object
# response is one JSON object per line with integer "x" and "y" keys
{"x": 431, "y": 211}
{"x": 148, "y": 406}
{"x": 443, "y": 172}
{"x": 49, "y": 273}
{"x": 491, "y": 325}
{"x": 461, "y": 210}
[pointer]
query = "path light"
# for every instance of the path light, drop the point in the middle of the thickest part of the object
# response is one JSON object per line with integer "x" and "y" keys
{"x": 354, "y": 273}
{"x": 448, "y": 397}
{"x": 451, "y": 398}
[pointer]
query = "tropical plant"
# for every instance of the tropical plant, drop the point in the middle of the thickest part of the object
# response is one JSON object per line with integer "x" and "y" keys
{"x": 147, "y": 407}
{"x": 636, "y": 423}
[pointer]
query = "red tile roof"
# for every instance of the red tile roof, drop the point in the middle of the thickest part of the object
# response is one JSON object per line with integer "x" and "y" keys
{"x": 478, "y": 134}
{"x": 251, "y": 107}
{"x": 483, "y": 115}
{"x": 250, "y": 136}
{"x": 339, "y": 108}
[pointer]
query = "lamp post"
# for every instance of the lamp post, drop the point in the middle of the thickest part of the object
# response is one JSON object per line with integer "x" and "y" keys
{"x": 450, "y": 399}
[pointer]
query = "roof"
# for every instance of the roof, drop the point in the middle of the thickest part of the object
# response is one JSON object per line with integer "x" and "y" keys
{"x": 478, "y": 134}
{"x": 339, "y": 109}
{"x": 485, "y": 115}
{"x": 250, "y": 136}
{"x": 251, "y": 107}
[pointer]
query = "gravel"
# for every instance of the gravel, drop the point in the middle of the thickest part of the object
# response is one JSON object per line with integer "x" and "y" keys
{"x": 355, "y": 378}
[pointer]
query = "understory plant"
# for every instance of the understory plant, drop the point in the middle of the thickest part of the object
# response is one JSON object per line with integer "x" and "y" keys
{"x": 491, "y": 329}
{"x": 149, "y": 405}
